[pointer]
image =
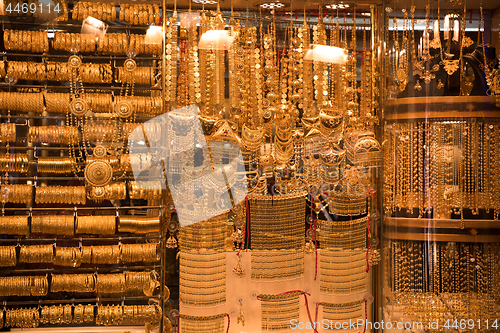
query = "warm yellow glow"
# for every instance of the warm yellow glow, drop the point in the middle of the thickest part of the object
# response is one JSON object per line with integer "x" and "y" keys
{"x": 329, "y": 54}
{"x": 216, "y": 40}
{"x": 93, "y": 26}
{"x": 154, "y": 35}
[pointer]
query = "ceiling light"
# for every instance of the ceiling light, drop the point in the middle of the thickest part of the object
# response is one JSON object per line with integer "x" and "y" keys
{"x": 272, "y": 5}
{"x": 205, "y": 2}
{"x": 338, "y": 6}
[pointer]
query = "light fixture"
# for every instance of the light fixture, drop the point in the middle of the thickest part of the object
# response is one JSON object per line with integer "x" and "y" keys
{"x": 338, "y": 6}
{"x": 216, "y": 40}
{"x": 154, "y": 35}
{"x": 205, "y": 2}
{"x": 93, "y": 26}
{"x": 272, "y": 5}
{"x": 328, "y": 54}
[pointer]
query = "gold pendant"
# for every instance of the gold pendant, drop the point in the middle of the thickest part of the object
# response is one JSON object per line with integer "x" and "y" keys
{"x": 428, "y": 76}
{"x": 435, "y": 43}
{"x": 467, "y": 41}
{"x": 440, "y": 84}
{"x": 417, "y": 86}
{"x": 450, "y": 66}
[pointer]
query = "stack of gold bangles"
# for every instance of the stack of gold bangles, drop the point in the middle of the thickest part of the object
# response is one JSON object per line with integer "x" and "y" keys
{"x": 53, "y": 134}
{"x": 140, "y": 314}
{"x": 14, "y": 163}
{"x": 53, "y": 224}
{"x": 98, "y": 10}
{"x": 98, "y": 132}
{"x": 57, "y": 314}
{"x": 16, "y": 193}
{"x": 26, "y": 41}
{"x": 27, "y": 70}
{"x": 140, "y": 75}
{"x": 113, "y": 43}
{"x": 7, "y": 132}
{"x": 72, "y": 42}
{"x": 22, "y": 102}
{"x": 73, "y": 283}
{"x": 14, "y": 225}
{"x": 96, "y": 225}
{"x": 140, "y": 14}
{"x": 57, "y": 102}
{"x": 23, "y": 286}
{"x": 139, "y": 224}
{"x": 143, "y": 46}
{"x": 22, "y": 318}
{"x": 72, "y": 195}
{"x": 55, "y": 164}
{"x": 8, "y": 257}
{"x": 37, "y": 253}
{"x": 116, "y": 191}
{"x": 145, "y": 190}
{"x": 68, "y": 256}
{"x": 99, "y": 102}
{"x": 147, "y": 252}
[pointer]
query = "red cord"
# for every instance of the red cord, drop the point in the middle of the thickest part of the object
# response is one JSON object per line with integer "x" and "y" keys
{"x": 228, "y": 322}
{"x": 177, "y": 324}
{"x": 307, "y": 305}
{"x": 313, "y": 232}
{"x": 247, "y": 222}
{"x": 368, "y": 245}
{"x": 366, "y": 315}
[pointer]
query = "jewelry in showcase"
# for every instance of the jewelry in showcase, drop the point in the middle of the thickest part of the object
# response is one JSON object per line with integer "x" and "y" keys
{"x": 97, "y": 225}
{"x": 278, "y": 311}
{"x": 60, "y": 194}
{"x": 139, "y": 224}
{"x": 8, "y": 256}
{"x": 345, "y": 235}
{"x": 199, "y": 324}
{"x": 339, "y": 313}
{"x": 342, "y": 272}
{"x": 99, "y": 10}
{"x": 140, "y": 14}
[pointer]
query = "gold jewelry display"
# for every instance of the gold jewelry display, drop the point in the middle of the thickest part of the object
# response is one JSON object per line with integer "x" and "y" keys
{"x": 140, "y": 14}
{"x": 55, "y": 165}
{"x": 24, "y": 285}
{"x": 96, "y": 225}
{"x": 276, "y": 265}
{"x": 22, "y": 318}
{"x": 16, "y": 193}
{"x": 139, "y": 314}
{"x": 68, "y": 256}
{"x": 342, "y": 271}
{"x": 199, "y": 324}
{"x": 53, "y": 134}
{"x": 37, "y": 253}
{"x": 63, "y": 225}
{"x": 139, "y": 224}
{"x": 209, "y": 291}
{"x": 7, "y": 132}
{"x": 340, "y": 313}
{"x": 26, "y": 41}
{"x": 278, "y": 311}
{"x": 147, "y": 252}
{"x": 14, "y": 225}
{"x": 146, "y": 190}
{"x": 140, "y": 75}
{"x": 14, "y": 163}
{"x": 343, "y": 235}
{"x": 213, "y": 235}
{"x": 8, "y": 257}
{"x": 99, "y": 10}
{"x": 22, "y": 102}
{"x": 73, "y": 283}
{"x": 116, "y": 191}
{"x": 71, "y": 195}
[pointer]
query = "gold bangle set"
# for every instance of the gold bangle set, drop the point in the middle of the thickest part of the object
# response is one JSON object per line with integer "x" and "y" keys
{"x": 149, "y": 105}
{"x": 96, "y": 225}
{"x": 16, "y": 193}
{"x": 83, "y": 314}
{"x": 53, "y": 134}
{"x": 142, "y": 46}
{"x": 22, "y": 318}
{"x": 14, "y": 163}
{"x": 68, "y": 256}
{"x": 97, "y": 132}
{"x": 139, "y": 224}
{"x": 7, "y": 132}
{"x": 147, "y": 190}
{"x": 14, "y": 225}
{"x": 140, "y": 314}
{"x": 55, "y": 164}
{"x": 8, "y": 256}
{"x": 345, "y": 235}
{"x": 72, "y": 42}
{"x": 147, "y": 252}
{"x": 342, "y": 272}
{"x": 57, "y": 314}
{"x": 37, "y": 254}
{"x": 213, "y": 234}
{"x": 121, "y": 282}
{"x": 99, "y": 10}
{"x": 53, "y": 224}
{"x": 22, "y": 102}
{"x": 23, "y": 286}
{"x": 26, "y": 41}
{"x": 140, "y": 14}
{"x": 56, "y": 102}
{"x": 140, "y": 75}
{"x": 275, "y": 265}
{"x": 99, "y": 102}
{"x": 73, "y": 283}
{"x": 74, "y": 195}
{"x": 278, "y": 311}
{"x": 116, "y": 191}
{"x": 113, "y": 43}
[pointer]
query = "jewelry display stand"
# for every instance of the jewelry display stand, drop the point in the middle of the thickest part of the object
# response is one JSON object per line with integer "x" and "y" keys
{"x": 83, "y": 243}
{"x": 441, "y": 236}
